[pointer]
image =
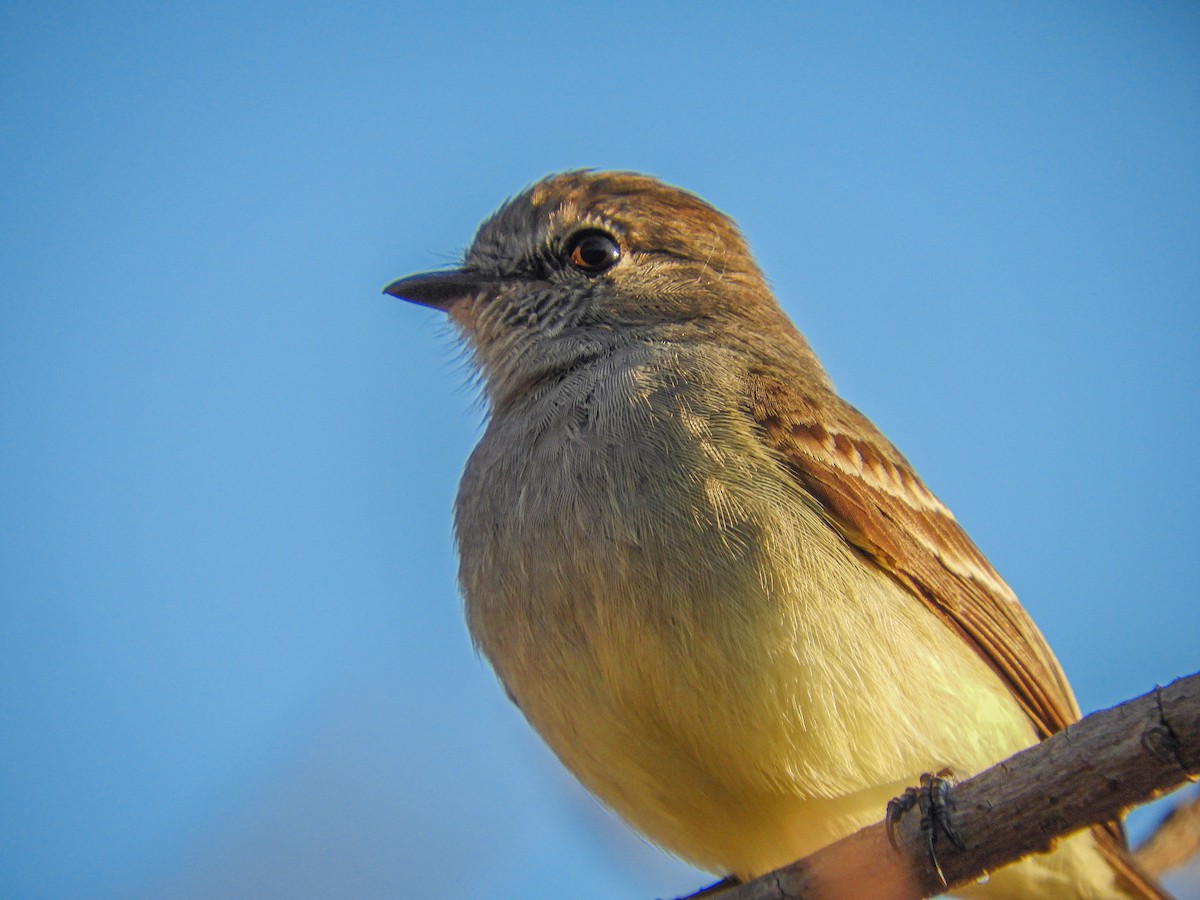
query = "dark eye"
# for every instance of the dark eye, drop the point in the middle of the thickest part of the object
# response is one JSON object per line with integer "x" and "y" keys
{"x": 592, "y": 251}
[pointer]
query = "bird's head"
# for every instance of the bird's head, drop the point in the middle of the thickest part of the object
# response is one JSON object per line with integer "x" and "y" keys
{"x": 584, "y": 262}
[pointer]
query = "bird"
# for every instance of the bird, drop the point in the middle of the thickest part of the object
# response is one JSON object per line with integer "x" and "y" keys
{"x": 719, "y": 594}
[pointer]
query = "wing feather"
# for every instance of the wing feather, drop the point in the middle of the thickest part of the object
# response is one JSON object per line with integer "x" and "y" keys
{"x": 872, "y": 496}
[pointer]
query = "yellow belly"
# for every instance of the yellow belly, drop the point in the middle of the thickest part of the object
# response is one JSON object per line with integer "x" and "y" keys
{"x": 743, "y": 749}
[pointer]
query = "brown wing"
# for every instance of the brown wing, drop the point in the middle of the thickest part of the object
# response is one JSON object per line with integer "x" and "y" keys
{"x": 874, "y": 498}
{"x": 871, "y": 495}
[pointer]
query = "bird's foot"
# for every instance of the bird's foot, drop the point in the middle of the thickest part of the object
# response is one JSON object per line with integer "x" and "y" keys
{"x": 935, "y": 815}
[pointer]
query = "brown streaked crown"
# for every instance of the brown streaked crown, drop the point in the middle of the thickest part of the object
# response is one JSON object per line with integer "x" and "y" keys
{"x": 649, "y": 217}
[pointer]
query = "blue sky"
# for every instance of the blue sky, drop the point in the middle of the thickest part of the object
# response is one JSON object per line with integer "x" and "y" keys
{"x": 233, "y": 659}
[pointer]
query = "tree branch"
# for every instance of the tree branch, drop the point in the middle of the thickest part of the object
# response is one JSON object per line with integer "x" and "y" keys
{"x": 1091, "y": 772}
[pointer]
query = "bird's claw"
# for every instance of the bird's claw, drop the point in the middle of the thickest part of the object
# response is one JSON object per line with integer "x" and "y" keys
{"x": 896, "y": 808}
{"x": 935, "y": 814}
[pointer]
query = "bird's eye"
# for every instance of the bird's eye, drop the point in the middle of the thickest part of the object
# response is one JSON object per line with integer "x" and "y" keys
{"x": 592, "y": 251}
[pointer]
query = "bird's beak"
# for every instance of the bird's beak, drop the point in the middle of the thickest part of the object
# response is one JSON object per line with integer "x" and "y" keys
{"x": 439, "y": 290}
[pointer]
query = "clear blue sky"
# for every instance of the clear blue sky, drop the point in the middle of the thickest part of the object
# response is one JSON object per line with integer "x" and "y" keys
{"x": 232, "y": 660}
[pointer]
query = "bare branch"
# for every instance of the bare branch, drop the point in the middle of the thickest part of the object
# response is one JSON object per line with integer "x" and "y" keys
{"x": 1091, "y": 772}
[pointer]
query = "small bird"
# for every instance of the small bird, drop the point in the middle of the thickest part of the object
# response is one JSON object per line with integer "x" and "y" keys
{"x": 714, "y": 588}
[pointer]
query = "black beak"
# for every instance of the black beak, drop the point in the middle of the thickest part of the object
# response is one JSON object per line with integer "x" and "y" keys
{"x": 439, "y": 290}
